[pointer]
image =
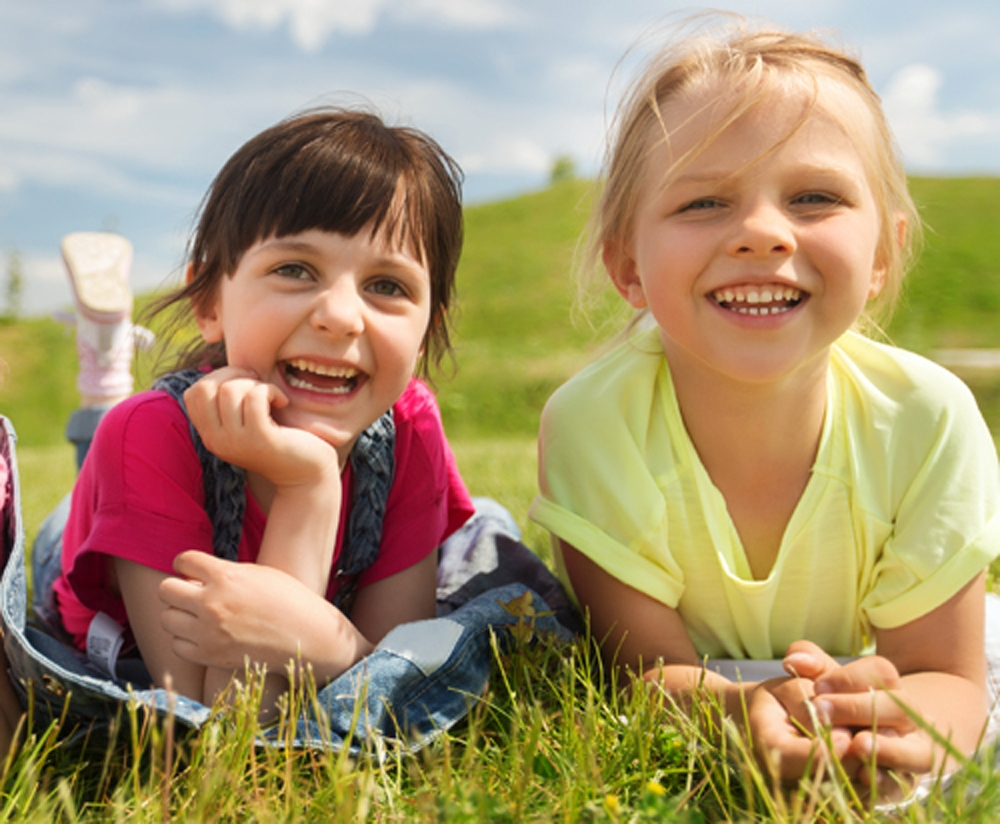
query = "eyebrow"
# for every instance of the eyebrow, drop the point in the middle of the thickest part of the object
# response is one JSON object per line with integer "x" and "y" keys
{"x": 390, "y": 258}
{"x": 813, "y": 170}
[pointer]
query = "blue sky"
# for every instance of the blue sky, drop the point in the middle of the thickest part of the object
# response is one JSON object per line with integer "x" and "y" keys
{"x": 117, "y": 113}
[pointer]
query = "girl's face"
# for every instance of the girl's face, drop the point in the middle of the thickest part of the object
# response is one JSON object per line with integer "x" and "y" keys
{"x": 337, "y": 323}
{"x": 756, "y": 257}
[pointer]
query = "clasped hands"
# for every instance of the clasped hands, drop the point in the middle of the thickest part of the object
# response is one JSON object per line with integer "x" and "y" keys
{"x": 853, "y": 712}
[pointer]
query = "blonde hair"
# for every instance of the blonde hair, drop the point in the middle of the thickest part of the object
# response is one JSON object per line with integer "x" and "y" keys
{"x": 752, "y": 64}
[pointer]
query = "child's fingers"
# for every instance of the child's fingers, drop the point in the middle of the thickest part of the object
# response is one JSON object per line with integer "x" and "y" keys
{"x": 860, "y": 676}
{"x": 884, "y": 786}
{"x": 873, "y": 708}
{"x": 913, "y": 753}
{"x": 240, "y": 401}
{"x": 195, "y": 565}
{"x": 805, "y": 659}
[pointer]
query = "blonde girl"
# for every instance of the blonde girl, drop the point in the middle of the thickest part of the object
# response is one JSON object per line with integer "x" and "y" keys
{"x": 747, "y": 476}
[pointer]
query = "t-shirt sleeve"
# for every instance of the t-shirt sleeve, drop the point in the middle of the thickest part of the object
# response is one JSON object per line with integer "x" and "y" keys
{"x": 139, "y": 497}
{"x": 598, "y": 491}
{"x": 946, "y": 527}
{"x": 428, "y": 500}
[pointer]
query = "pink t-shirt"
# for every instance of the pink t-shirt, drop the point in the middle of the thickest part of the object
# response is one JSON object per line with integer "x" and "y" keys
{"x": 140, "y": 497}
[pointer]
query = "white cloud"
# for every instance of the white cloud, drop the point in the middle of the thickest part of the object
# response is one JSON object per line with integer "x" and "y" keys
{"x": 925, "y": 133}
{"x": 312, "y": 22}
{"x": 467, "y": 14}
{"x": 121, "y": 139}
{"x": 9, "y": 178}
{"x": 506, "y": 154}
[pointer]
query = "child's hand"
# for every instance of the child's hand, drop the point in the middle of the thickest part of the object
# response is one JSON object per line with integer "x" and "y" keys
{"x": 862, "y": 695}
{"x": 804, "y": 659}
{"x": 231, "y": 409}
{"x": 783, "y": 729}
{"x": 214, "y": 612}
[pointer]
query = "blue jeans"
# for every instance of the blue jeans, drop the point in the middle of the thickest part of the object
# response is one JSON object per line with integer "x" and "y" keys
{"x": 421, "y": 679}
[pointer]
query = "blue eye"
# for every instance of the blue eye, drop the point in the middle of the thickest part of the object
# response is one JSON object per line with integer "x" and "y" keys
{"x": 700, "y": 204}
{"x": 818, "y": 199}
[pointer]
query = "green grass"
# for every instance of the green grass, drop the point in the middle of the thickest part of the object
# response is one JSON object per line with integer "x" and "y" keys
{"x": 549, "y": 741}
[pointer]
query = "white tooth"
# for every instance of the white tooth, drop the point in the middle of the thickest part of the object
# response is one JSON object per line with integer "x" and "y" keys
{"x": 754, "y": 310}
{"x": 298, "y": 383}
{"x": 753, "y": 297}
{"x": 765, "y": 296}
{"x": 321, "y": 369}
{"x": 730, "y": 296}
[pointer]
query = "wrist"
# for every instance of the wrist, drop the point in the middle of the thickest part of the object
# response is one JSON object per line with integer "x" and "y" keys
{"x": 332, "y": 646}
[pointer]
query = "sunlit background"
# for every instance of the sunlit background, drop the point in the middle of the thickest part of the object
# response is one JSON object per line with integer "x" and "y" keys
{"x": 115, "y": 115}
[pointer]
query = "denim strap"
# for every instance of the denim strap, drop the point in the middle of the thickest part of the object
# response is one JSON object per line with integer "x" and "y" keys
{"x": 373, "y": 463}
{"x": 225, "y": 484}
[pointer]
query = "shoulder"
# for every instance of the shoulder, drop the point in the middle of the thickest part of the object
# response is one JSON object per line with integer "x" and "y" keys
{"x": 909, "y": 421}
{"x": 420, "y": 438}
{"x": 417, "y": 406}
{"x": 619, "y": 388}
{"x": 146, "y": 432}
{"x": 427, "y": 479}
{"x": 902, "y": 386}
{"x": 147, "y": 415}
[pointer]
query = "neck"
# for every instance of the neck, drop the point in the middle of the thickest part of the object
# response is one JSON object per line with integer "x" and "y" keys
{"x": 758, "y": 443}
{"x": 757, "y": 424}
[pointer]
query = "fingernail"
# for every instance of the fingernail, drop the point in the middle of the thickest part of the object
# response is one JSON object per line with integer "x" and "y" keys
{"x": 824, "y": 711}
{"x": 796, "y": 659}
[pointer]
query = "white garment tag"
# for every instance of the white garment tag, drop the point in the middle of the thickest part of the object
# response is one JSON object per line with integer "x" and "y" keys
{"x": 105, "y": 637}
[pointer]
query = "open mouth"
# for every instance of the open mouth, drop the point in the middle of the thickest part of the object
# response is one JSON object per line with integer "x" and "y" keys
{"x": 759, "y": 300}
{"x": 317, "y": 377}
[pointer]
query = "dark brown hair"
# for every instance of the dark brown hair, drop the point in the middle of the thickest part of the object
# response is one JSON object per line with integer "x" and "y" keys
{"x": 334, "y": 170}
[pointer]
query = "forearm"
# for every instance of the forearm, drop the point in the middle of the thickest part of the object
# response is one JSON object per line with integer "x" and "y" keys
{"x": 686, "y": 682}
{"x": 301, "y": 534}
{"x": 330, "y": 644}
{"x": 956, "y": 707}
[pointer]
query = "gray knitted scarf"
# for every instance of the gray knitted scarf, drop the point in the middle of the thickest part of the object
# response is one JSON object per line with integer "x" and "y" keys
{"x": 372, "y": 462}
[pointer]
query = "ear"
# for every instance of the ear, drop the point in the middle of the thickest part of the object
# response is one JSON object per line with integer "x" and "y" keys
{"x": 879, "y": 273}
{"x": 620, "y": 265}
{"x": 206, "y": 314}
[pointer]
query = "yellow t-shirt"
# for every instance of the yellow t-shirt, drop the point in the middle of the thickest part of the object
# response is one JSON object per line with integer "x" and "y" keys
{"x": 900, "y": 511}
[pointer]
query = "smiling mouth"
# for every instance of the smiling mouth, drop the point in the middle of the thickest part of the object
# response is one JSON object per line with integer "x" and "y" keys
{"x": 318, "y": 377}
{"x": 758, "y": 300}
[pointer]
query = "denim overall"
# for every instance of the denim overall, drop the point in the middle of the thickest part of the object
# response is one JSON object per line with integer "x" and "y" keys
{"x": 420, "y": 680}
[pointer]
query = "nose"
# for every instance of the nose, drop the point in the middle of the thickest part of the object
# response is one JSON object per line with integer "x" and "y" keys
{"x": 339, "y": 309}
{"x": 762, "y": 230}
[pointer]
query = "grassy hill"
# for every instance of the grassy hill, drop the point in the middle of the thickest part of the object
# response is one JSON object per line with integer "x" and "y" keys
{"x": 548, "y": 742}
{"x": 515, "y": 338}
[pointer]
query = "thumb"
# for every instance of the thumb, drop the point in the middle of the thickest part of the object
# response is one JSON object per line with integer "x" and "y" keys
{"x": 195, "y": 565}
{"x": 807, "y": 660}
